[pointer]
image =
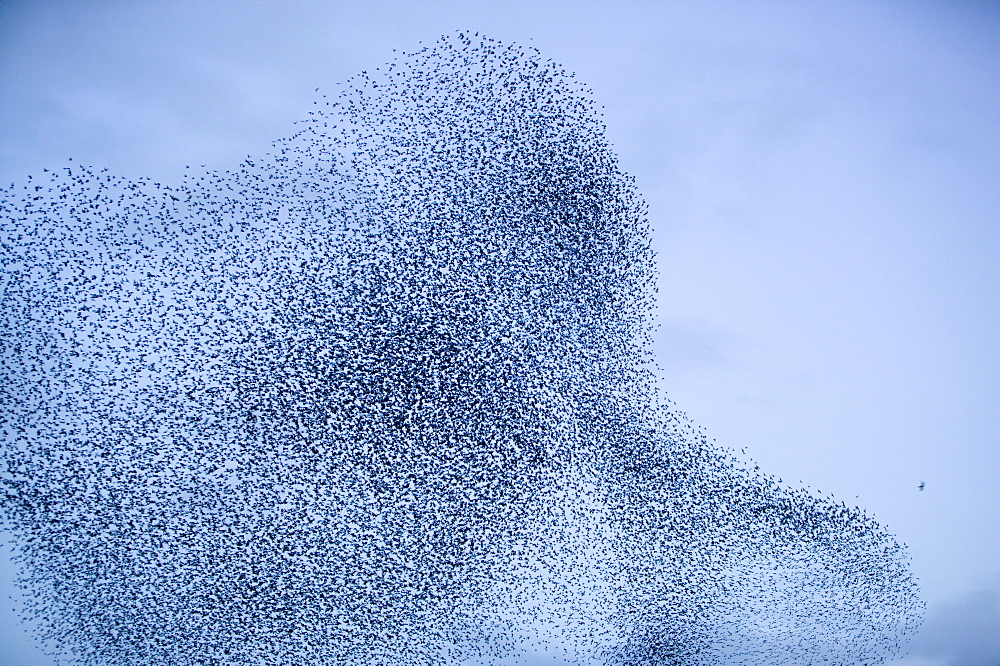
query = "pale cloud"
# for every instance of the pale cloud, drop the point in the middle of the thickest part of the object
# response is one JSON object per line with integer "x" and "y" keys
{"x": 963, "y": 632}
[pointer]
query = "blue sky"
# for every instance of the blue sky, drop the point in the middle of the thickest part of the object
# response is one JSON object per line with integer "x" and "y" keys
{"x": 823, "y": 182}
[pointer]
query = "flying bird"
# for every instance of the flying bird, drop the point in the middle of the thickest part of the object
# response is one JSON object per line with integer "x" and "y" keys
{"x": 384, "y": 395}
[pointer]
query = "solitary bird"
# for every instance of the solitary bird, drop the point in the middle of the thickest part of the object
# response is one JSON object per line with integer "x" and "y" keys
{"x": 921, "y": 486}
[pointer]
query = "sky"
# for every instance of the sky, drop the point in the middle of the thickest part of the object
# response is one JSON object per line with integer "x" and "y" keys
{"x": 823, "y": 181}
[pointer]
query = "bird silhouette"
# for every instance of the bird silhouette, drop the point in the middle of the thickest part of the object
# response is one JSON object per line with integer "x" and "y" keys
{"x": 384, "y": 395}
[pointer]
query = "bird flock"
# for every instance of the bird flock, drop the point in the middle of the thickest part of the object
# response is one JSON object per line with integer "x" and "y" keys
{"x": 384, "y": 395}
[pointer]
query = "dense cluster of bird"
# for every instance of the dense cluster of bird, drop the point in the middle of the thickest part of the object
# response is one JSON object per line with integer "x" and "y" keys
{"x": 384, "y": 396}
